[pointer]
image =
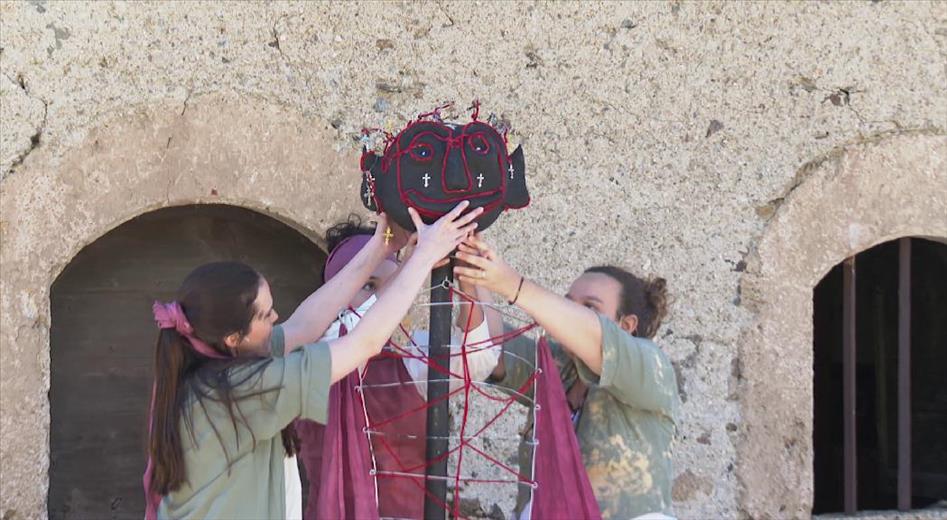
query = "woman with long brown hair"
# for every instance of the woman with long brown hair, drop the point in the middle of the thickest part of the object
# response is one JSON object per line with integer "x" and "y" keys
{"x": 224, "y": 392}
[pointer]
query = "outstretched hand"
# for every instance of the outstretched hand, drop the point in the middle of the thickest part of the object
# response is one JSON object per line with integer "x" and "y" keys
{"x": 486, "y": 268}
{"x": 436, "y": 241}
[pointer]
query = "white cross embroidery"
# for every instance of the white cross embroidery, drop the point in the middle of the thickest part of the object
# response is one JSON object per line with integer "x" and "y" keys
{"x": 480, "y": 181}
{"x": 368, "y": 194}
{"x": 510, "y": 169}
{"x": 426, "y": 178}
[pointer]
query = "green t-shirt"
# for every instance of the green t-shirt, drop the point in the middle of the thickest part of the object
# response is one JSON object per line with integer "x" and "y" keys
{"x": 252, "y": 485}
{"x": 626, "y": 425}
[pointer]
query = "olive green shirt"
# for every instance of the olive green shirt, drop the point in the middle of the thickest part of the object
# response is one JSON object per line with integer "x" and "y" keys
{"x": 626, "y": 426}
{"x": 251, "y": 485}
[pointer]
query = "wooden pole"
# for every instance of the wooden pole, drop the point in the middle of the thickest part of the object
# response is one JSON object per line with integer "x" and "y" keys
{"x": 438, "y": 387}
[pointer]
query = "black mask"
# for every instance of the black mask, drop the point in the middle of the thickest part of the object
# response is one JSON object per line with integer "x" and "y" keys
{"x": 432, "y": 167}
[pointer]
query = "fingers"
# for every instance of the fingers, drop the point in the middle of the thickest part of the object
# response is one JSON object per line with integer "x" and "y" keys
{"x": 469, "y": 217}
{"x": 483, "y": 249}
{"x": 442, "y": 262}
{"x": 466, "y": 230}
{"x": 469, "y": 274}
{"x": 477, "y": 241}
{"x": 464, "y": 248}
{"x": 418, "y": 223}
{"x": 468, "y": 281}
{"x": 474, "y": 260}
{"x": 452, "y": 214}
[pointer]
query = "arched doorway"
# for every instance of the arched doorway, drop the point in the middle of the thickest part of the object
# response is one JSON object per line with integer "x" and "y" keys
{"x": 102, "y": 339}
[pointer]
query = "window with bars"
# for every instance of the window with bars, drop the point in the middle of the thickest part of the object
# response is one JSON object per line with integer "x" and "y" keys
{"x": 880, "y": 388}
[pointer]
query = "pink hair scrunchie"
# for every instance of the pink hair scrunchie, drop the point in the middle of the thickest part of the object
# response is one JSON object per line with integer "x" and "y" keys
{"x": 171, "y": 316}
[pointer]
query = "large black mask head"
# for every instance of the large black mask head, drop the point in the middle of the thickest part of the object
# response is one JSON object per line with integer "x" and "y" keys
{"x": 432, "y": 166}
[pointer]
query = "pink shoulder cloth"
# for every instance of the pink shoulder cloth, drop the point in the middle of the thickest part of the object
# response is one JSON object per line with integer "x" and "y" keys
{"x": 563, "y": 489}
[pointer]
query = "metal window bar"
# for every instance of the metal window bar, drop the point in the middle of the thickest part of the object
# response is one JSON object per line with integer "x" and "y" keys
{"x": 850, "y": 462}
{"x": 848, "y": 384}
{"x": 904, "y": 374}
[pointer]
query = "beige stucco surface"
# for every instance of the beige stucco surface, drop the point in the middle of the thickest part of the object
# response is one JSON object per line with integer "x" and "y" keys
{"x": 737, "y": 149}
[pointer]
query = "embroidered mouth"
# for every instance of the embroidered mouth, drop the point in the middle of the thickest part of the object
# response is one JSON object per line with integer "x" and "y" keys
{"x": 436, "y": 208}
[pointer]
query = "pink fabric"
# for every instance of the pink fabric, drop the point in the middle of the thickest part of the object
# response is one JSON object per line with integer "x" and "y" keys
{"x": 344, "y": 253}
{"x": 342, "y": 486}
{"x": 564, "y": 490}
{"x": 312, "y": 434}
{"x": 311, "y": 438}
{"x": 347, "y": 489}
{"x": 394, "y": 450}
{"x": 169, "y": 316}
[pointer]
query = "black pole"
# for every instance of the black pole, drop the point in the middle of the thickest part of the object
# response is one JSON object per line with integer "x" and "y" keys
{"x": 437, "y": 388}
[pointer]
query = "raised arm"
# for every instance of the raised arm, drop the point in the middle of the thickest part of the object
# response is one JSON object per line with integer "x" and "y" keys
{"x": 373, "y": 330}
{"x": 314, "y": 315}
{"x": 576, "y": 327}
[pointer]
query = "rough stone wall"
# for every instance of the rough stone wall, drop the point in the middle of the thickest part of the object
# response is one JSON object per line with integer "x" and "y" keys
{"x": 849, "y": 201}
{"x": 663, "y": 137}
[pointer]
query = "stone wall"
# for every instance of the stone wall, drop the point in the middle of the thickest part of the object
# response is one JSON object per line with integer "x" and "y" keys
{"x": 677, "y": 139}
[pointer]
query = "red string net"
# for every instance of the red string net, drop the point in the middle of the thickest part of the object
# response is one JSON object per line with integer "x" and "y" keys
{"x": 483, "y": 447}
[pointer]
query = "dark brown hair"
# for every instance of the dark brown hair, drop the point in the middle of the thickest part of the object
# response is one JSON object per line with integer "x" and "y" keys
{"x": 349, "y": 227}
{"x": 646, "y": 299}
{"x": 218, "y": 299}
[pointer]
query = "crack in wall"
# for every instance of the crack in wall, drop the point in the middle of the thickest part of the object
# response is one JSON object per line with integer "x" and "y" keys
{"x": 36, "y": 138}
{"x": 186, "y": 99}
{"x": 275, "y": 43}
{"x": 749, "y": 294}
{"x": 769, "y": 210}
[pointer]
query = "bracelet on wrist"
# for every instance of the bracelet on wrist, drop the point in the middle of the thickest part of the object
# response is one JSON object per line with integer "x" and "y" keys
{"x": 518, "y": 289}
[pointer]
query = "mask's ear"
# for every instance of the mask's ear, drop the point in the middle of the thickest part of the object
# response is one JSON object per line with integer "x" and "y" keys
{"x": 371, "y": 166}
{"x": 517, "y": 196}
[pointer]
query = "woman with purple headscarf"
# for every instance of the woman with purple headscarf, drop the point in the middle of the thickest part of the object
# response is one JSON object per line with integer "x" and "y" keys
{"x": 403, "y": 376}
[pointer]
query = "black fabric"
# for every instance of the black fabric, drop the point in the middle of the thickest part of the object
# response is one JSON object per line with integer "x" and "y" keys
{"x": 433, "y": 166}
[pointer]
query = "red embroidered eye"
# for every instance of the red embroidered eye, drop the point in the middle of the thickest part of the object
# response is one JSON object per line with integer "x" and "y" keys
{"x": 422, "y": 152}
{"x": 479, "y": 144}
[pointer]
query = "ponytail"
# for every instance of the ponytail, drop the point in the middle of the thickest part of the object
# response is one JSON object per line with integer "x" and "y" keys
{"x": 172, "y": 357}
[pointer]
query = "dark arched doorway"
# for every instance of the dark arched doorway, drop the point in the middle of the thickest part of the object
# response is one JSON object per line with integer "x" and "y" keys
{"x": 102, "y": 339}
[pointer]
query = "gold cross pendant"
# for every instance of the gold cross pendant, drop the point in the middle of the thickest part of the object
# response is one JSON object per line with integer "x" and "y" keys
{"x": 388, "y": 234}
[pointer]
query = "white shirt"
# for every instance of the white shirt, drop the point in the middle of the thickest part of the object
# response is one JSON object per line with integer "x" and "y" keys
{"x": 294, "y": 489}
{"x": 480, "y": 361}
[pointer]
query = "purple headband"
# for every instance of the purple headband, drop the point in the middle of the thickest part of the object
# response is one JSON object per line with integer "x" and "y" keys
{"x": 345, "y": 252}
